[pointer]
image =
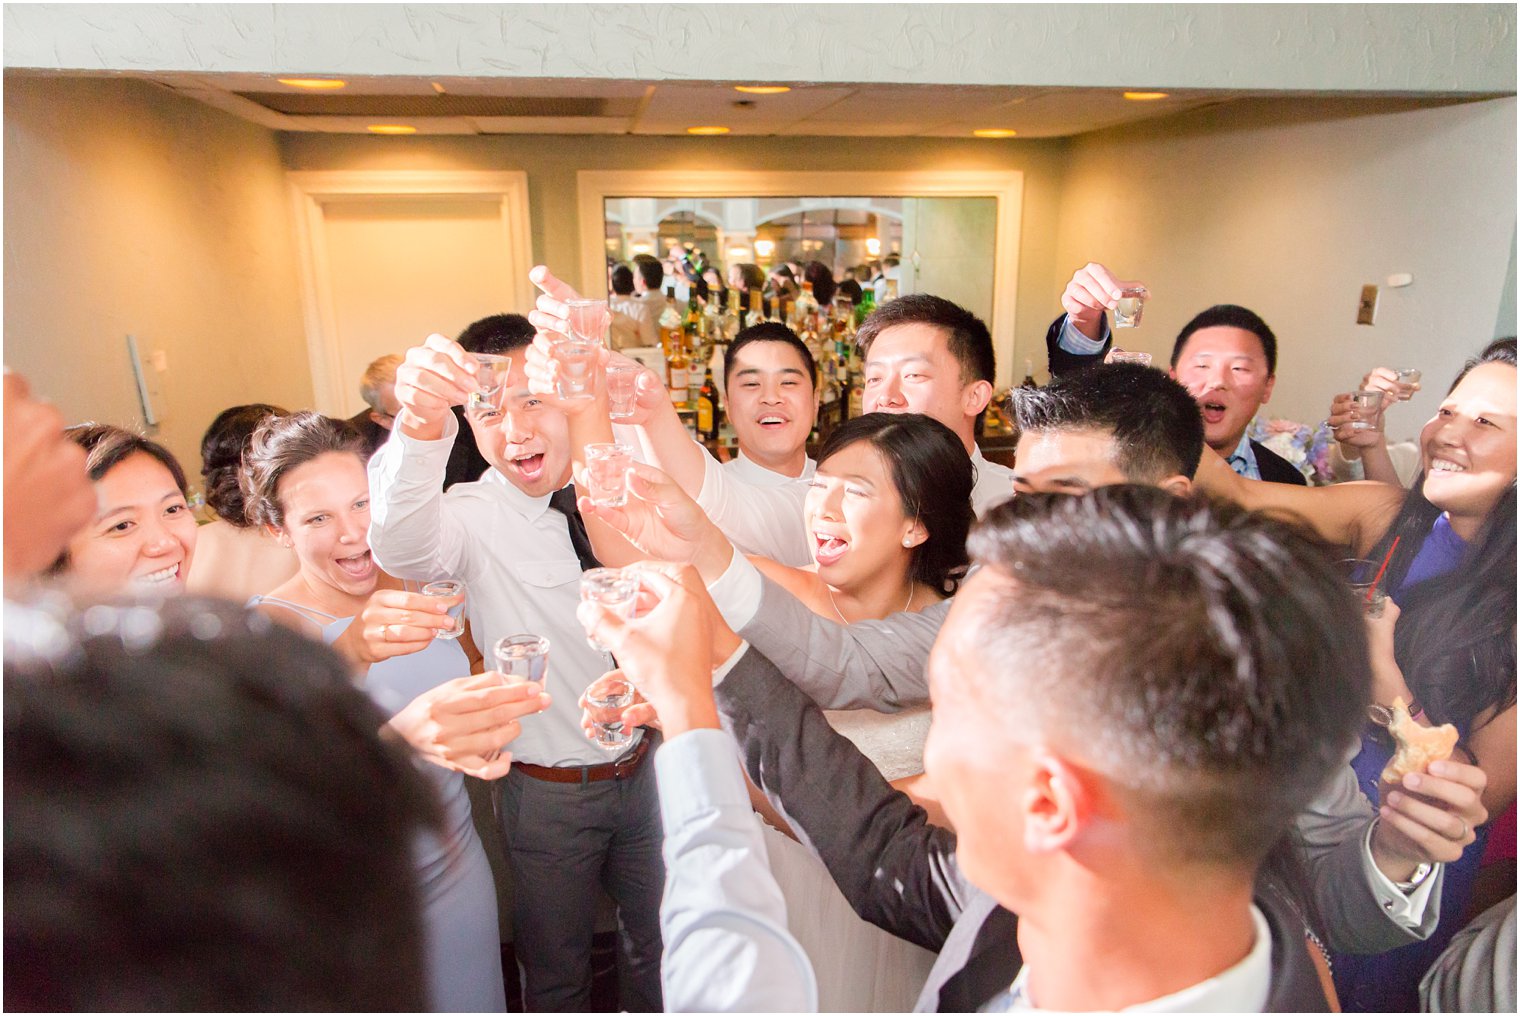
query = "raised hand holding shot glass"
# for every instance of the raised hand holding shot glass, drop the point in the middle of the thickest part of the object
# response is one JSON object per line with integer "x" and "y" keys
{"x": 622, "y": 390}
{"x": 446, "y": 589}
{"x": 1093, "y": 289}
{"x": 1408, "y": 380}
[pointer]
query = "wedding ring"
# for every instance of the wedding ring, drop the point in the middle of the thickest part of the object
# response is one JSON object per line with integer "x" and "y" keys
{"x": 385, "y": 631}
{"x": 1465, "y": 829}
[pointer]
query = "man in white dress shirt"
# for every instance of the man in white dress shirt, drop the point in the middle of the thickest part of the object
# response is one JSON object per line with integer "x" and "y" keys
{"x": 926, "y": 355}
{"x": 575, "y": 820}
{"x": 635, "y": 322}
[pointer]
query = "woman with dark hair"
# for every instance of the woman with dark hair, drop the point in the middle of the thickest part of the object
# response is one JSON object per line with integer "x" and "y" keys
{"x": 1446, "y": 642}
{"x": 143, "y": 535}
{"x": 235, "y": 559}
{"x": 888, "y": 513}
{"x": 304, "y": 479}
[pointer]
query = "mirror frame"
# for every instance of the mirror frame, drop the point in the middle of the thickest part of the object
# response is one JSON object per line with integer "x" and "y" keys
{"x": 593, "y": 187}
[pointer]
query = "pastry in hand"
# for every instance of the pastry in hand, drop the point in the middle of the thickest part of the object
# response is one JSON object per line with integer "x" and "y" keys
{"x": 1417, "y": 746}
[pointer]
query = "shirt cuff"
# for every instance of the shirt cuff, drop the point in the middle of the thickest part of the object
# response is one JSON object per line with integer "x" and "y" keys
{"x": 1075, "y": 342}
{"x": 737, "y": 592}
{"x": 696, "y": 773}
{"x": 1406, "y": 909}
{"x": 422, "y": 459}
{"x": 722, "y": 669}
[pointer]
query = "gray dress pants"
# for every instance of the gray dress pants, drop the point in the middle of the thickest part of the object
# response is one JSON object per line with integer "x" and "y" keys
{"x": 564, "y": 843}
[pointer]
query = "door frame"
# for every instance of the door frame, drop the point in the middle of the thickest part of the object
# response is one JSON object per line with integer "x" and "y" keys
{"x": 312, "y": 190}
{"x": 1006, "y": 186}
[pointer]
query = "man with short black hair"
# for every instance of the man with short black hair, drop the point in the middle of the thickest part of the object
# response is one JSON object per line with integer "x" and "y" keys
{"x": 1114, "y": 423}
{"x": 1226, "y": 357}
{"x": 924, "y": 354}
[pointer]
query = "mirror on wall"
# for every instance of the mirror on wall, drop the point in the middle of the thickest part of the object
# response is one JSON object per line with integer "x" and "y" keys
{"x": 944, "y": 245}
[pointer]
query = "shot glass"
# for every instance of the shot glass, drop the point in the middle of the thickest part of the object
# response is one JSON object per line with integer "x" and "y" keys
{"x": 522, "y": 658}
{"x": 614, "y": 589}
{"x": 1358, "y": 573}
{"x": 1130, "y": 356}
{"x": 489, "y": 379}
{"x": 622, "y": 390}
{"x": 588, "y": 320}
{"x": 606, "y": 699}
{"x": 576, "y": 357}
{"x": 607, "y": 473}
{"x": 1407, "y": 377}
{"x": 449, "y": 587}
{"x": 1131, "y": 306}
{"x": 1367, "y": 409}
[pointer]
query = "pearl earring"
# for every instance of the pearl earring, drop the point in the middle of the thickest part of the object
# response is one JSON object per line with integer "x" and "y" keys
{"x": 907, "y": 541}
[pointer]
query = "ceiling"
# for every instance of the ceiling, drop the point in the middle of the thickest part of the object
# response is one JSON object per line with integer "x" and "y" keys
{"x": 585, "y": 106}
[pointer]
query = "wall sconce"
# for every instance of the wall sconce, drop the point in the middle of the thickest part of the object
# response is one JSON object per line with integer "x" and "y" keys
{"x": 641, "y": 248}
{"x": 738, "y": 253}
{"x": 873, "y": 247}
{"x": 764, "y": 248}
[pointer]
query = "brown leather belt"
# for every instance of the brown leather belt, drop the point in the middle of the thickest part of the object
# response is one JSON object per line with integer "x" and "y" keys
{"x": 619, "y": 770}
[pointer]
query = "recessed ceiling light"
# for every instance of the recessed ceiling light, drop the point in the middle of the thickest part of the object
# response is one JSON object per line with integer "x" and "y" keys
{"x": 391, "y": 128}
{"x": 763, "y": 89}
{"x": 314, "y": 84}
{"x": 707, "y": 130}
{"x": 1144, "y": 96}
{"x": 994, "y": 132}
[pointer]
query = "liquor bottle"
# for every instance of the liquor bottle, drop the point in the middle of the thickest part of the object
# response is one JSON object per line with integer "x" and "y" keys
{"x": 731, "y": 319}
{"x": 693, "y": 321}
{"x": 708, "y": 414}
{"x": 678, "y": 373}
{"x": 670, "y": 322}
{"x": 807, "y": 303}
{"x": 756, "y": 313}
{"x": 1028, "y": 381}
{"x": 891, "y": 289}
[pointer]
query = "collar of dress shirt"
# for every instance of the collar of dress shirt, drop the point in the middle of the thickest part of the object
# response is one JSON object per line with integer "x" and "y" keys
{"x": 530, "y": 508}
{"x": 1243, "y": 987}
{"x": 1243, "y": 459}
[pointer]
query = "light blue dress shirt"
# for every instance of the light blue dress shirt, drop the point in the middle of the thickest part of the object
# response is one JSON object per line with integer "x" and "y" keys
{"x": 723, "y": 919}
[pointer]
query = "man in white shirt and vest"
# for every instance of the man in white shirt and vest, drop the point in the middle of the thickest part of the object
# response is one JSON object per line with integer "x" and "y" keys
{"x": 575, "y": 821}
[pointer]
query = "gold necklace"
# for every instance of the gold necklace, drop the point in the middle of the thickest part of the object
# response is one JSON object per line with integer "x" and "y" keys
{"x": 827, "y": 589}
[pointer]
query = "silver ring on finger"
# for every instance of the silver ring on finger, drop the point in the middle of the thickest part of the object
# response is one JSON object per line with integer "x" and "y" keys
{"x": 1465, "y": 829}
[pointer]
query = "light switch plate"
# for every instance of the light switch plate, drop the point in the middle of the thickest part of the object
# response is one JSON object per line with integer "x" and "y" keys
{"x": 1366, "y": 310}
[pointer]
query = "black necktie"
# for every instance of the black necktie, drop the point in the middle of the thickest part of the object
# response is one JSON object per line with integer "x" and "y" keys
{"x": 563, "y": 501}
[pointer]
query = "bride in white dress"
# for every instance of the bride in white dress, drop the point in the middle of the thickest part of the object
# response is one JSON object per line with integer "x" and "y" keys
{"x": 888, "y": 514}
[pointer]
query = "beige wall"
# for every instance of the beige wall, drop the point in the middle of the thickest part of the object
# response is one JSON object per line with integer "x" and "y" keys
{"x": 129, "y": 210}
{"x": 551, "y": 162}
{"x": 1291, "y": 218}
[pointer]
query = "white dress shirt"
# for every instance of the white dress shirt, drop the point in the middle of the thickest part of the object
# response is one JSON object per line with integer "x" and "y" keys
{"x": 522, "y": 575}
{"x": 994, "y": 483}
{"x": 723, "y": 918}
{"x": 759, "y": 510}
{"x": 1244, "y": 987}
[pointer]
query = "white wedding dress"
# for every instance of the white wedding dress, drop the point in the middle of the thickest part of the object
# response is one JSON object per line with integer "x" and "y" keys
{"x": 860, "y": 967}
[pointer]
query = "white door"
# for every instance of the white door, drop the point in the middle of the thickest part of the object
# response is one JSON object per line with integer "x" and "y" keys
{"x": 400, "y": 268}
{"x": 388, "y": 257}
